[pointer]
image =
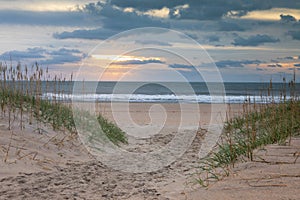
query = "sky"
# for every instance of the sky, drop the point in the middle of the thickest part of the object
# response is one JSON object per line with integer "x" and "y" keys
{"x": 155, "y": 40}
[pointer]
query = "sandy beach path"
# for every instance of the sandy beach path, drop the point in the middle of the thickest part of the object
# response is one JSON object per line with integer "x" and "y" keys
{"x": 54, "y": 165}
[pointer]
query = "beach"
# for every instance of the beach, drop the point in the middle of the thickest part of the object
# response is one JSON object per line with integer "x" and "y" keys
{"x": 154, "y": 100}
{"x": 55, "y": 164}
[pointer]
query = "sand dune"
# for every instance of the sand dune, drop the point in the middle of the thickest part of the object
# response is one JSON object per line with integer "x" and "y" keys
{"x": 55, "y": 165}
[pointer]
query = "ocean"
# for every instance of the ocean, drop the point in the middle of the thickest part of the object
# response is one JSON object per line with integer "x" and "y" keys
{"x": 170, "y": 92}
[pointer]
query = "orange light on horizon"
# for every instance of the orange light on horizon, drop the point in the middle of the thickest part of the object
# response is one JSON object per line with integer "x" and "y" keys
{"x": 123, "y": 58}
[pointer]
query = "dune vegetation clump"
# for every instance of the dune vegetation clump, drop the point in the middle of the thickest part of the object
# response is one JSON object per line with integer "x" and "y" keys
{"x": 23, "y": 101}
{"x": 259, "y": 125}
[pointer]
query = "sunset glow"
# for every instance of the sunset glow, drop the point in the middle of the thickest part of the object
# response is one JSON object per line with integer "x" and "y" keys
{"x": 260, "y": 40}
{"x": 123, "y": 58}
{"x": 272, "y": 15}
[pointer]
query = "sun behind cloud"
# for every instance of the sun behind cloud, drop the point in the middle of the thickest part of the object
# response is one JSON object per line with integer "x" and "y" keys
{"x": 120, "y": 59}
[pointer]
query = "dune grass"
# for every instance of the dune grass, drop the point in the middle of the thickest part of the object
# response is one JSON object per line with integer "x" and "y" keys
{"x": 260, "y": 124}
{"x": 21, "y": 91}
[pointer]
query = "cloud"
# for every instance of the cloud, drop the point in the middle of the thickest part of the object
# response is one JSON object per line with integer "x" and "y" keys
{"x": 64, "y": 51}
{"x": 219, "y": 64}
{"x": 297, "y": 65}
{"x": 188, "y": 71}
{"x": 35, "y": 53}
{"x": 47, "y": 18}
{"x": 99, "y": 33}
{"x": 113, "y": 20}
{"x": 294, "y": 34}
{"x": 213, "y": 38}
{"x": 116, "y": 16}
{"x": 191, "y": 35}
{"x": 287, "y": 18}
{"x": 117, "y": 19}
{"x": 200, "y": 10}
{"x": 289, "y": 58}
{"x": 230, "y": 26}
{"x": 152, "y": 42}
{"x": 274, "y": 65}
{"x": 254, "y": 40}
{"x": 145, "y": 5}
{"x": 113, "y": 15}
{"x": 138, "y": 62}
{"x": 234, "y": 63}
{"x": 182, "y": 67}
{"x": 205, "y": 10}
{"x": 63, "y": 56}
{"x": 44, "y": 56}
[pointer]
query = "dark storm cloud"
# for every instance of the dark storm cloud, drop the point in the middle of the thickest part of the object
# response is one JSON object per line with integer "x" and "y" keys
{"x": 39, "y": 55}
{"x": 254, "y": 40}
{"x": 45, "y": 18}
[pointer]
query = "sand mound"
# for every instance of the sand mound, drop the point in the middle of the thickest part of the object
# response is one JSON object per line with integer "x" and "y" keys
{"x": 51, "y": 164}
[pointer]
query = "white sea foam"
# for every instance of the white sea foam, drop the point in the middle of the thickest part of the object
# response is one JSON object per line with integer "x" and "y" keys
{"x": 166, "y": 98}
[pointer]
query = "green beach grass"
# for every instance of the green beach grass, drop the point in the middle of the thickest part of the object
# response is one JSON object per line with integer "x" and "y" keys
{"x": 259, "y": 125}
{"x": 20, "y": 95}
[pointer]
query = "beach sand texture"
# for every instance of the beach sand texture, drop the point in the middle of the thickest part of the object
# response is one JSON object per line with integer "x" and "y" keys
{"x": 55, "y": 165}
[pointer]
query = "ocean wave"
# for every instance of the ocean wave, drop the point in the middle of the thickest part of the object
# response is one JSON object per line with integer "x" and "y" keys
{"x": 167, "y": 98}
